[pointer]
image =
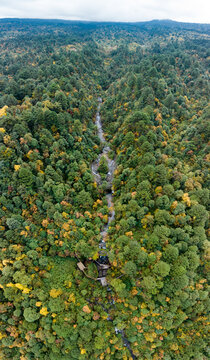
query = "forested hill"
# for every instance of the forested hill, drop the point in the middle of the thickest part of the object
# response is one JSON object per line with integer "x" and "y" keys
{"x": 153, "y": 79}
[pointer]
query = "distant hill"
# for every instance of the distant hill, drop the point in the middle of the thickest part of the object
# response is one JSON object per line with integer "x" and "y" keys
{"x": 166, "y": 23}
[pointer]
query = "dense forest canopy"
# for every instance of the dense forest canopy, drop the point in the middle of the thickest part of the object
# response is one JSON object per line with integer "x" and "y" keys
{"x": 153, "y": 79}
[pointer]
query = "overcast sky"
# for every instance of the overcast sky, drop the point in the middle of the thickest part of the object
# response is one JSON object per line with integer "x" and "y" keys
{"x": 108, "y": 10}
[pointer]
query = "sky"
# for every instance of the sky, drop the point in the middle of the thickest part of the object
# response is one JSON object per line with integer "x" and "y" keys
{"x": 108, "y": 10}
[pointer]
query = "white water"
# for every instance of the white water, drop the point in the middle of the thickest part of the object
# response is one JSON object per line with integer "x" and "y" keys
{"x": 109, "y": 196}
{"x": 110, "y": 175}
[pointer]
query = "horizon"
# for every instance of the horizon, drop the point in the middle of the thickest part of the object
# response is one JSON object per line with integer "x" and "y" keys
{"x": 104, "y": 21}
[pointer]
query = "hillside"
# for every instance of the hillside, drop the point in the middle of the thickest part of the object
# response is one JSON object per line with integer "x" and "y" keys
{"x": 104, "y": 136}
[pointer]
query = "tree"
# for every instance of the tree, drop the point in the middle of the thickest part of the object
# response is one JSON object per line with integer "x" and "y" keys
{"x": 26, "y": 177}
{"x": 30, "y": 314}
{"x": 171, "y": 253}
{"x": 103, "y": 166}
{"x": 83, "y": 199}
{"x": 162, "y": 268}
{"x": 149, "y": 284}
{"x": 169, "y": 101}
{"x": 130, "y": 269}
{"x": 129, "y": 138}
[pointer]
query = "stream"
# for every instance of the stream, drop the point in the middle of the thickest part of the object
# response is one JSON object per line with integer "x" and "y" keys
{"x": 110, "y": 175}
{"x": 103, "y": 260}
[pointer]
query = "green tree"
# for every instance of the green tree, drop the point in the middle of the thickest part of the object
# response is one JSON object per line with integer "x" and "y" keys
{"x": 30, "y": 314}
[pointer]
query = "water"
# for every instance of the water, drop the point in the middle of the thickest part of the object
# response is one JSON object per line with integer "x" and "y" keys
{"x": 109, "y": 196}
{"x": 110, "y": 174}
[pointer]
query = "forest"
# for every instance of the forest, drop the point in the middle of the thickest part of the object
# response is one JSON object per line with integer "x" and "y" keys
{"x": 153, "y": 79}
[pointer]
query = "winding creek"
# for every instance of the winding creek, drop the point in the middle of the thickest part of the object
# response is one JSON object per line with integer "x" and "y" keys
{"x": 103, "y": 261}
{"x": 110, "y": 175}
